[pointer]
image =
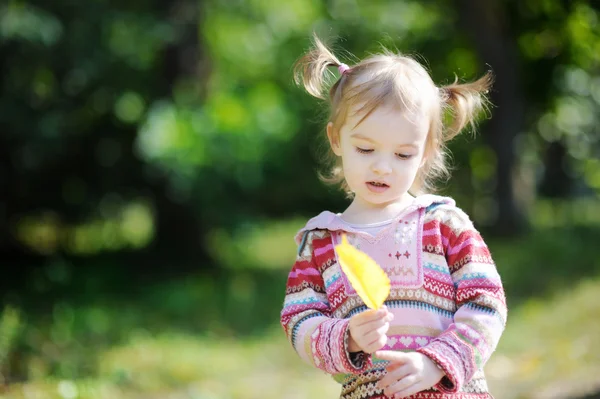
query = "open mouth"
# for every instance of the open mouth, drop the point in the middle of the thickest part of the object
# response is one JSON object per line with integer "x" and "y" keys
{"x": 377, "y": 187}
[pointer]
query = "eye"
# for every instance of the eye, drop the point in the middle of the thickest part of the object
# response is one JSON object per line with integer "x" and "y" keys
{"x": 363, "y": 150}
{"x": 404, "y": 156}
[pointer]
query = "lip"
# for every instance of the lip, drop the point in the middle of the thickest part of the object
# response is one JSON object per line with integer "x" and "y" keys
{"x": 377, "y": 189}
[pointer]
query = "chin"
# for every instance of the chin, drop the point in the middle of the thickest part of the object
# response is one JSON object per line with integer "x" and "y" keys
{"x": 380, "y": 200}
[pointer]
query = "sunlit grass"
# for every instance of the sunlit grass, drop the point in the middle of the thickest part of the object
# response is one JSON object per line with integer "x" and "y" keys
{"x": 551, "y": 348}
{"x": 185, "y": 366}
{"x": 547, "y": 351}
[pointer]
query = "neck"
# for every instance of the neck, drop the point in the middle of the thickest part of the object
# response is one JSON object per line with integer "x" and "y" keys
{"x": 362, "y": 212}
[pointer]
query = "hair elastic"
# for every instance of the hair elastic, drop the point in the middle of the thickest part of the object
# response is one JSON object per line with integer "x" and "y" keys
{"x": 343, "y": 68}
{"x": 444, "y": 93}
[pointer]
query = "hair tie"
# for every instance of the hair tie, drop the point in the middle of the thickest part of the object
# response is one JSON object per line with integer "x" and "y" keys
{"x": 343, "y": 68}
{"x": 444, "y": 93}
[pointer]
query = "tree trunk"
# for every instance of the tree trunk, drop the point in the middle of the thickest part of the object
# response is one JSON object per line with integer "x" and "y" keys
{"x": 556, "y": 182}
{"x": 179, "y": 231}
{"x": 486, "y": 23}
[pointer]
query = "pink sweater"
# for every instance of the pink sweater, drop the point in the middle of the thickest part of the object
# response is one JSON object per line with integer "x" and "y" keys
{"x": 446, "y": 296}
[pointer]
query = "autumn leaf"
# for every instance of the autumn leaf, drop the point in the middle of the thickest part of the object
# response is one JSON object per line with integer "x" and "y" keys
{"x": 366, "y": 276}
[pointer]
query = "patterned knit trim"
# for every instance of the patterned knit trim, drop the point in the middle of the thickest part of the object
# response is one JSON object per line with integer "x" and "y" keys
{"x": 421, "y": 395}
{"x": 367, "y": 389}
{"x": 299, "y": 323}
{"x": 419, "y": 305}
{"x": 302, "y": 242}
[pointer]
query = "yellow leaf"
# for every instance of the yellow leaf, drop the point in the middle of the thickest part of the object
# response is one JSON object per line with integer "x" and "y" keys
{"x": 366, "y": 276}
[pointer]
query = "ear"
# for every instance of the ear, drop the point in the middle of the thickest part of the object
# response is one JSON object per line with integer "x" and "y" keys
{"x": 334, "y": 140}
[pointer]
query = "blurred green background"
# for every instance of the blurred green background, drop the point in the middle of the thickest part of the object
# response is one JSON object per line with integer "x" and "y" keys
{"x": 156, "y": 161}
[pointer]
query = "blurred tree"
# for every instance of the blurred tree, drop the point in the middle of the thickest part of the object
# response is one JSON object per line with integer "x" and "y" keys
{"x": 143, "y": 127}
{"x": 544, "y": 56}
{"x": 76, "y": 80}
{"x": 488, "y": 25}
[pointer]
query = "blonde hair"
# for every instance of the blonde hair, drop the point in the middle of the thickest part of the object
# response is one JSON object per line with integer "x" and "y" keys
{"x": 390, "y": 78}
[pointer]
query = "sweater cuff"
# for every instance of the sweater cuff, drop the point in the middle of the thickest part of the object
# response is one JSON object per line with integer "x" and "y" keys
{"x": 448, "y": 360}
{"x": 356, "y": 362}
{"x": 330, "y": 349}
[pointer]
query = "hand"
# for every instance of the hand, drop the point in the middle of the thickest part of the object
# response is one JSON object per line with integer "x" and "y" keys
{"x": 368, "y": 329}
{"x": 408, "y": 373}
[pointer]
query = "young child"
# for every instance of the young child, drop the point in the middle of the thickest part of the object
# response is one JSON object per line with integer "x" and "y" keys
{"x": 446, "y": 310}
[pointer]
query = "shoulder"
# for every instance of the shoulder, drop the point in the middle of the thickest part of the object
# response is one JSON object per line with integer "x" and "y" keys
{"x": 312, "y": 239}
{"x": 450, "y": 217}
{"x": 314, "y": 234}
{"x": 321, "y": 222}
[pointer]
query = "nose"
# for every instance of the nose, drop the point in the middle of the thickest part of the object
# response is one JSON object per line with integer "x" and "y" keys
{"x": 381, "y": 166}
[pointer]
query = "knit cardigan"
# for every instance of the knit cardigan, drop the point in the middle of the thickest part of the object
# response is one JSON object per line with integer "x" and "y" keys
{"x": 446, "y": 296}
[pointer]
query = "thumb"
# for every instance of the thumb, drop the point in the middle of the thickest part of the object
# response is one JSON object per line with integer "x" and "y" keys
{"x": 392, "y": 356}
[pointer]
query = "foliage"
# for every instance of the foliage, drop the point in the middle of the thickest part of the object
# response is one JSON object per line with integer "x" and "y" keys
{"x": 156, "y": 161}
{"x": 192, "y": 105}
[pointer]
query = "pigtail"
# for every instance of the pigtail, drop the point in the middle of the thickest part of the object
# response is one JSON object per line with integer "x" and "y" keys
{"x": 465, "y": 102}
{"x": 310, "y": 70}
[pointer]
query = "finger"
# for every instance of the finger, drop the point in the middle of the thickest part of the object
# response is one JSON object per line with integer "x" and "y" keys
{"x": 400, "y": 386}
{"x": 388, "y": 312}
{"x": 377, "y": 344}
{"x": 393, "y": 366}
{"x": 371, "y": 315}
{"x": 370, "y": 327}
{"x": 388, "y": 315}
{"x": 369, "y": 332}
{"x": 395, "y": 372}
{"x": 374, "y": 324}
{"x": 374, "y": 334}
{"x": 370, "y": 341}
{"x": 393, "y": 356}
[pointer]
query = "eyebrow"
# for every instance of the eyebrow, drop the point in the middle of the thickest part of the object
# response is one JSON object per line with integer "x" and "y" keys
{"x": 361, "y": 137}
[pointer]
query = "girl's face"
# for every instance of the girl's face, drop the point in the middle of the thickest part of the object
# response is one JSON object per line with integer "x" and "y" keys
{"x": 382, "y": 155}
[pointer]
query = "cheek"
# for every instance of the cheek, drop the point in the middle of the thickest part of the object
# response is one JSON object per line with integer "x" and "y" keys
{"x": 410, "y": 167}
{"x": 355, "y": 165}
{"x": 415, "y": 164}
{"x": 351, "y": 165}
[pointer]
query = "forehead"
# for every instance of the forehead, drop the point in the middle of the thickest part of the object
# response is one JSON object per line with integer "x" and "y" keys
{"x": 388, "y": 120}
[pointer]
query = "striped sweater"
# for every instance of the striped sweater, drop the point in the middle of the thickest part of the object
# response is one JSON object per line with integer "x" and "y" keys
{"x": 446, "y": 296}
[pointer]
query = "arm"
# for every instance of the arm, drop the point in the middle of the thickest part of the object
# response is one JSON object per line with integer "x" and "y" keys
{"x": 318, "y": 338}
{"x": 481, "y": 306}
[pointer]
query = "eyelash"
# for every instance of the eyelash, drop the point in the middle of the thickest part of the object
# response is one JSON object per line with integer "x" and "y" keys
{"x": 365, "y": 151}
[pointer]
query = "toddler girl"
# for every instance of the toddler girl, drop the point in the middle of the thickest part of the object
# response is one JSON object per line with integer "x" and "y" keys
{"x": 446, "y": 309}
